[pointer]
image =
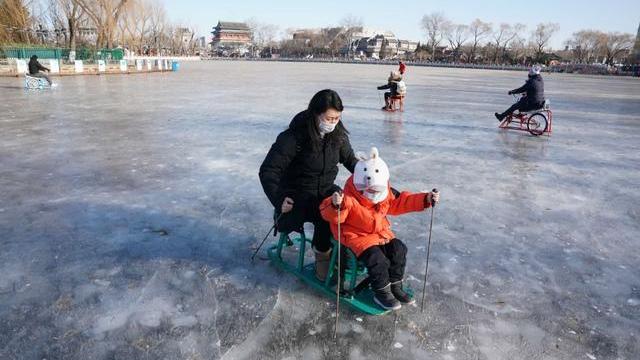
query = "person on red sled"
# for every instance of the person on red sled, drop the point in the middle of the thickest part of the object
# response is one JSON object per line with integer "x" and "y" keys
{"x": 534, "y": 94}
{"x": 364, "y": 205}
{"x": 396, "y": 87}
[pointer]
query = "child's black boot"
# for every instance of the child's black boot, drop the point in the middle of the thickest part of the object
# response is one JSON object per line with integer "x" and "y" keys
{"x": 400, "y": 294}
{"x": 385, "y": 298}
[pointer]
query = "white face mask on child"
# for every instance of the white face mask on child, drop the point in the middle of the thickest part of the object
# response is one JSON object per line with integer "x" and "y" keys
{"x": 376, "y": 197}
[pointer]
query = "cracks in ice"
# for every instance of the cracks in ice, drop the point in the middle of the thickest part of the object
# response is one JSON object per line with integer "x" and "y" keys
{"x": 215, "y": 312}
{"x": 255, "y": 335}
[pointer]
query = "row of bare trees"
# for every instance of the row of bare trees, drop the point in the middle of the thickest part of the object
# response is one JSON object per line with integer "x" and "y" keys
{"x": 476, "y": 42}
{"x": 483, "y": 42}
{"x": 480, "y": 41}
{"x": 589, "y": 46}
{"x": 141, "y": 26}
{"x": 327, "y": 41}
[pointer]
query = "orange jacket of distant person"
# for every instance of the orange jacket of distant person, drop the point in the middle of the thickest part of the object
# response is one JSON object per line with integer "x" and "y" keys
{"x": 365, "y": 224}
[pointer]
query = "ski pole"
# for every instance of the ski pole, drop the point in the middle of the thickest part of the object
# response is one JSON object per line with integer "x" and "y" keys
{"x": 426, "y": 270}
{"x": 275, "y": 223}
{"x": 335, "y": 331}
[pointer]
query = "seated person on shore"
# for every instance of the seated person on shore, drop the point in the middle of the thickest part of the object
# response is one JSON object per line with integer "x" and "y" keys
{"x": 396, "y": 87}
{"x": 365, "y": 229}
{"x": 35, "y": 67}
{"x": 533, "y": 98}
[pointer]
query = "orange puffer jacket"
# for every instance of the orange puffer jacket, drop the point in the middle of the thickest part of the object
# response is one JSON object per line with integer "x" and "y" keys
{"x": 365, "y": 224}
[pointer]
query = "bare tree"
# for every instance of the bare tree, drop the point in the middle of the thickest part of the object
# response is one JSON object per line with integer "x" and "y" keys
{"x": 457, "y": 35}
{"x": 157, "y": 25}
{"x": 614, "y": 44}
{"x": 518, "y": 47}
{"x": 500, "y": 36}
{"x": 433, "y": 25}
{"x": 584, "y": 45}
{"x": 71, "y": 14}
{"x": 105, "y": 15}
{"x": 352, "y": 25}
{"x": 134, "y": 24}
{"x": 15, "y": 21}
{"x": 516, "y": 30}
{"x": 541, "y": 36}
{"x": 262, "y": 34}
{"x": 479, "y": 30}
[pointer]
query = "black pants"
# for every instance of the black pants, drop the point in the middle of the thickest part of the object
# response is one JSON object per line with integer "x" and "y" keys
{"x": 522, "y": 105}
{"x": 385, "y": 263}
{"x": 307, "y": 210}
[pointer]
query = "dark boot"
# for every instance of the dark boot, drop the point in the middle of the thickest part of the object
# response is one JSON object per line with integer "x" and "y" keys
{"x": 500, "y": 117}
{"x": 398, "y": 293}
{"x": 385, "y": 298}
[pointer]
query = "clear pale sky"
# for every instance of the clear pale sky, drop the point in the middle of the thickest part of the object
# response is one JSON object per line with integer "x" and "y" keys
{"x": 403, "y": 17}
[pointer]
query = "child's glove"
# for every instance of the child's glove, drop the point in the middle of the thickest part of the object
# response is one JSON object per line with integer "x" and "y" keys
{"x": 336, "y": 199}
{"x": 432, "y": 198}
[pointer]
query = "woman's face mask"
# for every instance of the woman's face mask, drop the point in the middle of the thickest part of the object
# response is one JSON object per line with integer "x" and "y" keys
{"x": 328, "y": 121}
{"x": 326, "y": 127}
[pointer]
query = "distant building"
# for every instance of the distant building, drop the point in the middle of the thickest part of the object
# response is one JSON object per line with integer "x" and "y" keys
{"x": 186, "y": 39}
{"x": 383, "y": 45}
{"x": 201, "y": 42}
{"x": 185, "y": 35}
{"x": 231, "y": 38}
{"x": 305, "y": 35}
{"x": 406, "y": 47}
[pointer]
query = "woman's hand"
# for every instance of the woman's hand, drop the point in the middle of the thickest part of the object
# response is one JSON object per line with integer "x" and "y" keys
{"x": 287, "y": 205}
{"x": 433, "y": 197}
{"x": 336, "y": 199}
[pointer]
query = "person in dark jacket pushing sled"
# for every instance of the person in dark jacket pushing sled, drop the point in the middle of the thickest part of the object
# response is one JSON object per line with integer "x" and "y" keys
{"x": 300, "y": 169}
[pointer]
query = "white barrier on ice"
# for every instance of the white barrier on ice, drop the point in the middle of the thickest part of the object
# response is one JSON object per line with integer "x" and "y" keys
{"x": 54, "y": 66}
{"x": 78, "y": 66}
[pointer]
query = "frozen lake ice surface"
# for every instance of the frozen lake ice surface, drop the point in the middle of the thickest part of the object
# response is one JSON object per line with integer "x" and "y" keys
{"x": 130, "y": 206}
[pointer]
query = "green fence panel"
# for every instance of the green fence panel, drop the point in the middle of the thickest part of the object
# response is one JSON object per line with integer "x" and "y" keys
{"x": 82, "y": 53}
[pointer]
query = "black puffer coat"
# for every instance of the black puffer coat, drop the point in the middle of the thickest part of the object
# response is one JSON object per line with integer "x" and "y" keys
{"x": 298, "y": 165}
{"x": 534, "y": 88}
{"x": 35, "y": 66}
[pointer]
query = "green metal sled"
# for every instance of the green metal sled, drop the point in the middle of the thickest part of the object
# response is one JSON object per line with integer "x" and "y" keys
{"x": 357, "y": 295}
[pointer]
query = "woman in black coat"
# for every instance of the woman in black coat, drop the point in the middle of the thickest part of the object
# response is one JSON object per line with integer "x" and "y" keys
{"x": 300, "y": 169}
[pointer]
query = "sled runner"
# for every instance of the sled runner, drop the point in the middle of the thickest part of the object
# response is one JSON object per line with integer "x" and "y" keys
{"x": 356, "y": 294}
{"x": 35, "y": 83}
{"x": 537, "y": 122}
{"x": 396, "y": 103}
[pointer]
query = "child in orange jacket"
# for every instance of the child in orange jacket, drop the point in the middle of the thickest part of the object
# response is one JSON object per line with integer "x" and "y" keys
{"x": 364, "y": 205}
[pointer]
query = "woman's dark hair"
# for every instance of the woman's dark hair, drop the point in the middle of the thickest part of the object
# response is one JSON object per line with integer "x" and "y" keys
{"x": 322, "y": 101}
{"x": 34, "y": 57}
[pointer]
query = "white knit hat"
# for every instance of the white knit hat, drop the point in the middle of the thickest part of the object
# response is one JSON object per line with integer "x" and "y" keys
{"x": 535, "y": 70}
